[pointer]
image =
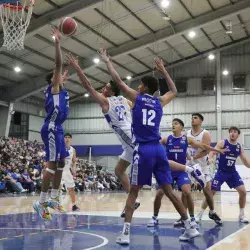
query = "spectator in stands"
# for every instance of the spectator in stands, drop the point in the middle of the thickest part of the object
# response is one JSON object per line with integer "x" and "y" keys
{"x": 27, "y": 183}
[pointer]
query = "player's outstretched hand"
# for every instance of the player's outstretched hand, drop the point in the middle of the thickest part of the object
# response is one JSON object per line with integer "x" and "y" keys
{"x": 159, "y": 65}
{"x": 56, "y": 33}
{"x": 104, "y": 55}
{"x": 72, "y": 61}
{"x": 65, "y": 75}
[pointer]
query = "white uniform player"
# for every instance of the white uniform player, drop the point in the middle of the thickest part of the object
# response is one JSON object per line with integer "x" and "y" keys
{"x": 70, "y": 166}
{"x": 203, "y": 161}
{"x": 119, "y": 120}
{"x": 67, "y": 177}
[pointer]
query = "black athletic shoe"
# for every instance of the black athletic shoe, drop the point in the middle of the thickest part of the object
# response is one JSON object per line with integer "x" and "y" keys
{"x": 137, "y": 204}
{"x": 215, "y": 218}
{"x": 75, "y": 208}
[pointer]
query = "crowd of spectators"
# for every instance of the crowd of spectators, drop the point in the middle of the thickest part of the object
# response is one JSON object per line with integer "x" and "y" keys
{"x": 22, "y": 164}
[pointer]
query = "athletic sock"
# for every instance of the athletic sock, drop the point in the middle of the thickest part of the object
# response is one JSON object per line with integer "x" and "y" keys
{"x": 54, "y": 193}
{"x": 43, "y": 197}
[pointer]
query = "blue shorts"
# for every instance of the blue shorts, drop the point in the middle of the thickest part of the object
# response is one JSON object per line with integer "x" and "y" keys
{"x": 232, "y": 179}
{"x": 54, "y": 144}
{"x": 149, "y": 159}
{"x": 181, "y": 178}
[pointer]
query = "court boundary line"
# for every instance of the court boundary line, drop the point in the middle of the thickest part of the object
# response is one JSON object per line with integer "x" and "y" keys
{"x": 229, "y": 236}
{"x": 104, "y": 243}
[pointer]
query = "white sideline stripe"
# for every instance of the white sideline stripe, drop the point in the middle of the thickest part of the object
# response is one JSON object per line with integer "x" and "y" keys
{"x": 228, "y": 238}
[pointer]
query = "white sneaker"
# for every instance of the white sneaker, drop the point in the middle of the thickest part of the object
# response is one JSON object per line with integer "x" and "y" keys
{"x": 179, "y": 223}
{"x": 123, "y": 239}
{"x": 243, "y": 219}
{"x": 189, "y": 234}
{"x": 198, "y": 175}
{"x": 193, "y": 223}
{"x": 153, "y": 222}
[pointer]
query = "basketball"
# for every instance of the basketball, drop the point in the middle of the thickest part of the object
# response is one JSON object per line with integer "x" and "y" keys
{"x": 68, "y": 26}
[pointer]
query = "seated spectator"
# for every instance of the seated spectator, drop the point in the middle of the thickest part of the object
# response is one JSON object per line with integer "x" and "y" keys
{"x": 26, "y": 181}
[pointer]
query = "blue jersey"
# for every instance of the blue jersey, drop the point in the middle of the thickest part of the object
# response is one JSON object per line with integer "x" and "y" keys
{"x": 56, "y": 107}
{"x": 146, "y": 119}
{"x": 177, "y": 148}
{"x": 226, "y": 162}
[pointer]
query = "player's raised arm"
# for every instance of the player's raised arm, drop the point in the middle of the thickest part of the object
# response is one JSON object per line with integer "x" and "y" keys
{"x": 192, "y": 142}
{"x": 244, "y": 159}
{"x": 72, "y": 61}
{"x": 57, "y": 76}
{"x": 131, "y": 93}
{"x": 169, "y": 96}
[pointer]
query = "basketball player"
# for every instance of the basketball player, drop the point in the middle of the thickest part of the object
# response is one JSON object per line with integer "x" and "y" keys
{"x": 226, "y": 171}
{"x": 149, "y": 155}
{"x": 176, "y": 147}
{"x": 57, "y": 108}
{"x": 70, "y": 165}
{"x": 197, "y": 156}
{"x": 116, "y": 110}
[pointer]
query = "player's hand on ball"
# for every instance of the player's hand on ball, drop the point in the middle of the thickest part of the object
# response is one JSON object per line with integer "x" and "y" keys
{"x": 72, "y": 61}
{"x": 103, "y": 54}
{"x": 56, "y": 33}
{"x": 159, "y": 65}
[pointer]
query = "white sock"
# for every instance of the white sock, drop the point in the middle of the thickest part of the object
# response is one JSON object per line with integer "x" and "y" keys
{"x": 241, "y": 211}
{"x": 43, "y": 197}
{"x": 137, "y": 200}
{"x": 54, "y": 193}
{"x": 211, "y": 212}
{"x": 187, "y": 224}
{"x": 126, "y": 228}
{"x": 189, "y": 169}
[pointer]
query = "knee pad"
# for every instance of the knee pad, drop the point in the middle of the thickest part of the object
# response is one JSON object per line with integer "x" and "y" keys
{"x": 50, "y": 171}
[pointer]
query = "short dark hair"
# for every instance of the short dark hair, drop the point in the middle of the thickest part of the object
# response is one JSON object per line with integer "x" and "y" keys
{"x": 49, "y": 76}
{"x": 152, "y": 83}
{"x": 199, "y": 115}
{"x": 179, "y": 121}
{"x": 114, "y": 88}
{"x": 234, "y": 128}
{"x": 67, "y": 135}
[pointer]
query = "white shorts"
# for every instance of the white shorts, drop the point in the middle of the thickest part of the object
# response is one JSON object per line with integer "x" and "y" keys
{"x": 207, "y": 172}
{"x": 67, "y": 179}
{"x": 127, "y": 154}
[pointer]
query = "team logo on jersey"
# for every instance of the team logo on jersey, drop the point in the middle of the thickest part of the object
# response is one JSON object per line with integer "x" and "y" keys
{"x": 183, "y": 140}
{"x": 170, "y": 142}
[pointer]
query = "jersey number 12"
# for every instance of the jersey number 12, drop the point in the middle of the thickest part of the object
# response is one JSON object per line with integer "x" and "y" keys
{"x": 148, "y": 117}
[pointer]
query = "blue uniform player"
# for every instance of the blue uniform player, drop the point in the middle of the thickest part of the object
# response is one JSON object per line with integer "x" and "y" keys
{"x": 226, "y": 171}
{"x": 57, "y": 109}
{"x": 149, "y": 155}
{"x": 176, "y": 149}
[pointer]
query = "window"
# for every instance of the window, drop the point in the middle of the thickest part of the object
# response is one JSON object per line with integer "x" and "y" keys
{"x": 208, "y": 84}
{"x": 181, "y": 85}
{"x": 246, "y": 140}
{"x": 239, "y": 82}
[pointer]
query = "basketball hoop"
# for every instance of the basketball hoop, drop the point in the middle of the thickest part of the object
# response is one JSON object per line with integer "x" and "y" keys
{"x": 15, "y": 19}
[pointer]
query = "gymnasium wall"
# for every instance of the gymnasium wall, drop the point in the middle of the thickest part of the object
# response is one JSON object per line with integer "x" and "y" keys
{"x": 89, "y": 128}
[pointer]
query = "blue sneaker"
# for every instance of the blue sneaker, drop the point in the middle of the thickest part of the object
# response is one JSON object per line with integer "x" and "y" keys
{"x": 42, "y": 210}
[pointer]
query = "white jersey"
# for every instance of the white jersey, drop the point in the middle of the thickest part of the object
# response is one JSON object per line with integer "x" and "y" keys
{"x": 119, "y": 119}
{"x": 193, "y": 151}
{"x": 69, "y": 159}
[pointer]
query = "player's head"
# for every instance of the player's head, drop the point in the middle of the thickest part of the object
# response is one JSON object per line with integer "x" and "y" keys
{"x": 110, "y": 89}
{"x": 50, "y": 78}
{"x": 177, "y": 125}
{"x": 234, "y": 133}
{"x": 197, "y": 119}
{"x": 149, "y": 85}
{"x": 68, "y": 139}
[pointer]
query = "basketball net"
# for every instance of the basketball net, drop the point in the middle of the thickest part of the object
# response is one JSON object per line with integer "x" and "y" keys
{"x": 15, "y": 21}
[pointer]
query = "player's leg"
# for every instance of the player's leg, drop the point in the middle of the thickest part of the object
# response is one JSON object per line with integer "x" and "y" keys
{"x": 141, "y": 174}
{"x": 163, "y": 176}
{"x": 48, "y": 174}
{"x": 120, "y": 170}
{"x": 157, "y": 205}
{"x": 62, "y": 153}
{"x": 209, "y": 191}
{"x": 235, "y": 181}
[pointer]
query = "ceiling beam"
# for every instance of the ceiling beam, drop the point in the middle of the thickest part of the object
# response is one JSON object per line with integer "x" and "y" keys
{"x": 185, "y": 38}
{"x": 210, "y": 4}
{"x": 174, "y": 49}
{"x": 208, "y": 38}
{"x": 224, "y": 27}
{"x": 186, "y": 8}
{"x": 243, "y": 25}
{"x": 37, "y": 24}
{"x": 148, "y": 39}
{"x": 200, "y": 55}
